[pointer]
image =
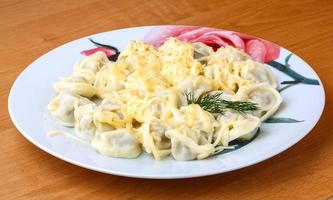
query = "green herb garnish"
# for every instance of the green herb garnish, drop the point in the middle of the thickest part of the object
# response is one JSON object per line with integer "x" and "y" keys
{"x": 213, "y": 103}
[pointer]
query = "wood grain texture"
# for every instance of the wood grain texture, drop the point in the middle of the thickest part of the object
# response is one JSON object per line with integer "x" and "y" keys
{"x": 29, "y": 29}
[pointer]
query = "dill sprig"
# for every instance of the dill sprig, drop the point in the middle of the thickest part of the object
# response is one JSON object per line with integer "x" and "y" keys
{"x": 190, "y": 98}
{"x": 213, "y": 103}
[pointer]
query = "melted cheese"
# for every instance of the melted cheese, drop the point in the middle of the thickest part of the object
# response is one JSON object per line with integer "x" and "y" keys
{"x": 178, "y": 61}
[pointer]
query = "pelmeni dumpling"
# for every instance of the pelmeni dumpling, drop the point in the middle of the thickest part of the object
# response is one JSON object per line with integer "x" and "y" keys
{"x": 264, "y": 95}
{"x": 185, "y": 144}
{"x": 194, "y": 117}
{"x": 76, "y": 85}
{"x": 110, "y": 78}
{"x": 154, "y": 105}
{"x": 222, "y": 74}
{"x": 158, "y": 132}
{"x": 236, "y": 126}
{"x": 254, "y": 72}
{"x": 227, "y": 55}
{"x": 191, "y": 133}
{"x": 196, "y": 85}
{"x": 90, "y": 65}
{"x": 181, "y": 144}
{"x": 112, "y": 102}
{"x": 202, "y": 52}
{"x": 120, "y": 143}
{"x": 108, "y": 116}
{"x": 84, "y": 121}
{"x": 62, "y": 107}
{"x": 153, "y": 139}
{"x": 231, "y": 68}
{"x": 84, "y": 75}
{"x": 221, "y": 77}
{"x": 90, "y": 118}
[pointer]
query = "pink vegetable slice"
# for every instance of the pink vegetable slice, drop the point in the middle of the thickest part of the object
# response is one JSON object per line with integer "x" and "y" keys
{"x": 256, "y": 49}
{"x": 210, "y": 40}
{"x": 245, "y": 36}
{"x": 207, "y": 35}
{"x": 194, "y": 34}
{"x": 107, "y": 51}
{"x": 261, "y": 50}
{"x": 229, "y": 35}
{"x": 273, "y": 50}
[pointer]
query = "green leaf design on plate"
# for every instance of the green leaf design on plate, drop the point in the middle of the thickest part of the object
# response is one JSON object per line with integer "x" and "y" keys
{"x": 293, "y": 74}
{"x": 287, "y": 86}
{"x": 286, "y": 60}
{"x": 282, "y": 120}
{"x": 113, "y": 57}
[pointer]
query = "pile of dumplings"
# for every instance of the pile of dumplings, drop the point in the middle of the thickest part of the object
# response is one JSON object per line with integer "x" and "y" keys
{"x": 138, "y": 103}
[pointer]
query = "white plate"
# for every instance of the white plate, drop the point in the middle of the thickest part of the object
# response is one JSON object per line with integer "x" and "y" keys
{"x": 33, "y": 90}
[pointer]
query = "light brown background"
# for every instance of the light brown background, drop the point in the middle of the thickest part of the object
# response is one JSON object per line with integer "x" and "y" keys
{"x": 29, "y": 29}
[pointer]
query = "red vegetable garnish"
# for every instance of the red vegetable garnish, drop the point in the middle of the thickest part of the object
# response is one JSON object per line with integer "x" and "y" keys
{"x": 107, "y": 51}
{"x": 261, "y": 50}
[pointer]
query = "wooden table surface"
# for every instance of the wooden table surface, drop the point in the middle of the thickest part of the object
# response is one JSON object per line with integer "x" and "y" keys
{"x": 29, "y": 29}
